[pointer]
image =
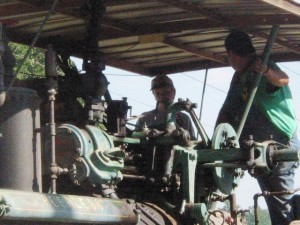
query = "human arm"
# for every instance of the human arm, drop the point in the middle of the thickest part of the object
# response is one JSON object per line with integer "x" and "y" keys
{"x": 275, "y": 77}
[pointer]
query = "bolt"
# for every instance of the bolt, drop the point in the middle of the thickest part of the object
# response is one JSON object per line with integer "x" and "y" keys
{"x": 78, "y": 159}
{"x": 192, "y": 157}
{"x": 78, "y": 150}
{"x": 76, "y": 182}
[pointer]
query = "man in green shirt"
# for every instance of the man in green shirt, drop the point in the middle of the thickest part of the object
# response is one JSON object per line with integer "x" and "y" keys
{"x": 272, "y": 113}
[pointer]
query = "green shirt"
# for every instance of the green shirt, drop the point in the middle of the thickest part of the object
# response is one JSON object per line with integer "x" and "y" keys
{"x": 277, "y": 106}
{"x": 274, "y": 103}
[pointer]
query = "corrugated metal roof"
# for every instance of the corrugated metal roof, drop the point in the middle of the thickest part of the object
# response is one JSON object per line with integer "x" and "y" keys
{"x": 158, "y": 36}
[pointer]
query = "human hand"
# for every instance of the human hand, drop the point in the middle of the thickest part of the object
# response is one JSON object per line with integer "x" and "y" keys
{"x": 154, "y": 133}
{"x": 258, "y": 67}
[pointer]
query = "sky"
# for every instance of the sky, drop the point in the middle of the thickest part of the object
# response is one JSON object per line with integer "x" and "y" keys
{"x": 189, "y": 85}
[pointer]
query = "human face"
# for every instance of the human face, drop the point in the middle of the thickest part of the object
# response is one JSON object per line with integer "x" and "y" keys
{"x": 164, "y": 94}
{"x": 238, "y": 63}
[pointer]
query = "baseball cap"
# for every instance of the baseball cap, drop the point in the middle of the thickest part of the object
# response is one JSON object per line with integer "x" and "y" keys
{"x": 161, "y": 81}
{"x": 239, "y": 42}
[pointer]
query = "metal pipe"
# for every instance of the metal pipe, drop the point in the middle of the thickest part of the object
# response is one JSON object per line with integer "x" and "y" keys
{"x": 267, "y": 193}
{"x": 233, "y": 207}
{"x": 265, "y": 58}
{"x": 53, "y": 168}
{"x": 2, "y": 70}
{"x": 50, "y": 71}
{"x": 286, "y": 155}
{"x": 256, "y": 196}
{"x": 228, "y": 155}
{"x": 204, "y": 137}
{"x": 136, "y": 177}
{"x": 203, "y": 92}
{"x": 224, "y": 165}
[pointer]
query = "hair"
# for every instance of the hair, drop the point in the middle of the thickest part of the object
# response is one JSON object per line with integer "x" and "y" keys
{"x": 239, "y": 42}
{"x": 161, "y": 81}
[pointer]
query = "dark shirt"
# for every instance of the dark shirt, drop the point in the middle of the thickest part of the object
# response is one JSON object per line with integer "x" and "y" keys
{"x": 157, "y": 120}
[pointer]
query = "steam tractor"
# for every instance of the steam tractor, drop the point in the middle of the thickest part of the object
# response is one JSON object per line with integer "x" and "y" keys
{"x": 67, "y": 156}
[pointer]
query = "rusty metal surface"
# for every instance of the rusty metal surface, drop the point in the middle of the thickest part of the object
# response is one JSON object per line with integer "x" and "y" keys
{"x": 158, "y": 36}
{"x": 41, "y": 208}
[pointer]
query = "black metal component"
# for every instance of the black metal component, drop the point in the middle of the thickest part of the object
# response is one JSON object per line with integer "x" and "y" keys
{"x": 50, "y": 68}
{"x": 93, "y": 60}
{"x": 248, "y": 145}
{"x": 189, "y": 106}
{"x": 117, "y": 116}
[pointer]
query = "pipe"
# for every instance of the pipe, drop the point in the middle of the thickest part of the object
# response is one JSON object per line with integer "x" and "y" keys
{"x": 187, "y": 106}
{"x": 53, "y": 168}
{"x": 267, "y": 193}
{"x": 233, "y": 207}
{"x": 2, "y": 70}
{"x": 265, "y": 58}
{"x": 203, "y": 92}
{"x": 286, "y": 155}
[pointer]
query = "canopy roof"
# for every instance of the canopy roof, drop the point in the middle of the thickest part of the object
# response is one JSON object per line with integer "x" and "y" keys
{"x": 152, "y": 37}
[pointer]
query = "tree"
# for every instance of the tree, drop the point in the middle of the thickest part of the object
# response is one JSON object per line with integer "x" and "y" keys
{"x": 34, "y": 66}
{"x": 263, "y": 216}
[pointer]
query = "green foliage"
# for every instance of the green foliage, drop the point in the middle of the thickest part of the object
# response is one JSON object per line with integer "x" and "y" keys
{"x": 34, "y": 66}
{"x": 263, "y": 216}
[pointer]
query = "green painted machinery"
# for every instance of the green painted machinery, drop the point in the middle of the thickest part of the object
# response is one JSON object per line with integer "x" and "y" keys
{"x": 88, "y": 154}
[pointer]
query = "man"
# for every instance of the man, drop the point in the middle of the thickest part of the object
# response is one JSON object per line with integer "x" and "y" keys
{"x": 164, "y": 92}
{"x": 272, "y": 113}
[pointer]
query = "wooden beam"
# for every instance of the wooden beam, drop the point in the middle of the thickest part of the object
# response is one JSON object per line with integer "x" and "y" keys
{"x": 124, "y": 65}
{"x": 192, "y": 66}
{"x": 278, "y": 40}
{"x": 285, "y": 5}
{"x": 195, "y": 51}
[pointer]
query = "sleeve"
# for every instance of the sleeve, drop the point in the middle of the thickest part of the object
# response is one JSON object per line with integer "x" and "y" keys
{"x": 265, "y": 88}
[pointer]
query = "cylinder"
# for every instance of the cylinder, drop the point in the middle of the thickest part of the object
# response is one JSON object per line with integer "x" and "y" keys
{"x": 286, "y": 155}
{"x": 20, "y": 146}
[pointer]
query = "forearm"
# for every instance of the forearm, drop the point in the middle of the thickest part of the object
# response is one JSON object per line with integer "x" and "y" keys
{"x": 275, "y": 77}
